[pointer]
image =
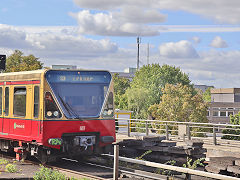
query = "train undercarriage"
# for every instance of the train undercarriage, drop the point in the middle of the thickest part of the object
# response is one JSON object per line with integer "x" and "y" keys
{"x": 73, "y": 146}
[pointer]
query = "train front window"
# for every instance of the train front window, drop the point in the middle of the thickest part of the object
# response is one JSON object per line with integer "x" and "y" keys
{"x": 81, "y": 94}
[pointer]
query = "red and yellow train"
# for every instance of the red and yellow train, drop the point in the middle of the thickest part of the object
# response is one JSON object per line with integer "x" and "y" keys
{"x": 57, "y": 113}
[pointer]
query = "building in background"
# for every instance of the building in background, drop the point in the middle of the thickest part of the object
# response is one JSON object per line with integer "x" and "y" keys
{"x": 64, "y": 67}
{"x": 128, "y": 73}
{"x": 224, "y": 102}
{"x": 202, "y": 87}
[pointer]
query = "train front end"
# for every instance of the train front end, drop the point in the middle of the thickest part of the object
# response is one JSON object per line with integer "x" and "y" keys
{"x": 79, "y": 113}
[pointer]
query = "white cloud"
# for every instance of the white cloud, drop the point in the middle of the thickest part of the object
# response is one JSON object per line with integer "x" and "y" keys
{"x": 218, "y": 42}
{"x": 199, "y": 28}
{"x": 221, "y": 11}
{"x": 107, "y": 24}
{"x": 134, "y": 17}
{"x": 13, "y": 38}
{"x": 61, "y": 45}
{"x": 217, "y": 68}
{"x": 113, "y": 4}
{"x": 48, "y": 44}
{"x": 181, "y": 49}
{"x": 196, "y": 39}
{"x": 142, "y": 15}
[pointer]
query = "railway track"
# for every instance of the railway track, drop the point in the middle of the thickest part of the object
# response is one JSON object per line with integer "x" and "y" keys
{"x": 98, "y": 168}
{"x": 28, "y": 168}
{"x": 94, "y": 169}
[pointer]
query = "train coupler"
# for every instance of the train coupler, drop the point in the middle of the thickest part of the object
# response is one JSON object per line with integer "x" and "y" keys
{"x": 19, "y": 153}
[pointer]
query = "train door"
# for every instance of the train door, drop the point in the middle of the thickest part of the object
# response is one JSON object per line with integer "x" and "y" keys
{"x": 36, "y": 111}
{"x": 1, "y": 108}
{"x": 5, "y": 118}
{"x": 20, "y": 123}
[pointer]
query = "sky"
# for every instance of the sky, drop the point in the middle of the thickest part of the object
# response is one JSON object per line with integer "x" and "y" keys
{"x": 201, "y": 37}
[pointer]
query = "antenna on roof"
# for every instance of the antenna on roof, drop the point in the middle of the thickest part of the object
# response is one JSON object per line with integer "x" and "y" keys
{"x": 138, "y": 43}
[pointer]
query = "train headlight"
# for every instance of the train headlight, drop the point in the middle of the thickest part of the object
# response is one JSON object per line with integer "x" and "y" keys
{"x": 55, "y": 113}
{"x": 49, "y": 113}
{"x": 110, "y": 112}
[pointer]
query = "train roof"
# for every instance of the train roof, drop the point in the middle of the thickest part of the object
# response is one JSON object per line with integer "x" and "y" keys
{"x": 32, "y": 75}
{"x": 22, "y": 75}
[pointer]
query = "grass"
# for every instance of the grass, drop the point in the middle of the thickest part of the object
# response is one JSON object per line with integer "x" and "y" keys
{"x": 6, "y": 166}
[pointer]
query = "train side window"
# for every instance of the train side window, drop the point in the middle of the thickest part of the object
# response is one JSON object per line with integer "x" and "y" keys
{"x": 36, "y": 101}
{"x": 6, "y": 101}
{"x": 19, "y": 102}
{"x": 51, "y": 109}
{"x": 0, "y": 100}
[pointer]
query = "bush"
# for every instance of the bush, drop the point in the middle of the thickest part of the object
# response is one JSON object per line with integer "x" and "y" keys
{"x": 48, "y": 174}
{"x": 11, "y": 168}
{"x": 3, "y": 161}
{"x": 235, "y": 120}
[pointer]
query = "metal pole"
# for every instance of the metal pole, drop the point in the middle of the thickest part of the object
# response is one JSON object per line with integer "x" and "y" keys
{"x": 148, "y": 55}
{"x": 116, "y": 162}
{"x": 138, "y": 43}
{"x": 167, "y": 135}
{"x": 214, "y": 136}
{"x": 147, "y": 128}
{"x": 128, "y": 127}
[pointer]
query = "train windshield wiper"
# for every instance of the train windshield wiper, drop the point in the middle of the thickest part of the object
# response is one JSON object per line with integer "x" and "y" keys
{"x": 69, "y": 108}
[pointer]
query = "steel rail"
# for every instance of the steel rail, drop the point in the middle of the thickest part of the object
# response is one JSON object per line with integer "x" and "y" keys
{"x": 127, "y": 172}
{"x": 76, "y": 174}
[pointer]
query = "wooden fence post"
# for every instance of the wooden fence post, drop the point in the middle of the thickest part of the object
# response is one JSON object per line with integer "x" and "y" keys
{"x": 188, "y": 132}
{"x": 214, "y": 136}
{"x": 147, "y": 128}
{"x": 167, "y": 135}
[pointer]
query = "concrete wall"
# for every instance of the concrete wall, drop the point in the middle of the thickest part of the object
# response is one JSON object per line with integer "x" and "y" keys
{"x": 222, "y": 97}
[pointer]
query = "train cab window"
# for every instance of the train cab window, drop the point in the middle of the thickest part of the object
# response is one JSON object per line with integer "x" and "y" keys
{"x": 19, "y": 102}
{"x": 36, "y": 101}
{"x": 0, "y": 100}
{"x": 6, "y": 101}
{"x": 51, "y": 109}
{"x": 108, "y": 109}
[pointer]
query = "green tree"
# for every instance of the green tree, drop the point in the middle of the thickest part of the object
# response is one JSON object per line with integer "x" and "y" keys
{"x": 150, "y": 80}
{"x": 120, "y": 86}
{"x": 17, "y": 62}
{"x": 207, "y": 95}
{"x": 235, "y": 120}
{"x": 180, "y": 104}
{"x": 137, "y": 98}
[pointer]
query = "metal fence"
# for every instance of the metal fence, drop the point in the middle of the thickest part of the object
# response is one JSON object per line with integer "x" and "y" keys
{"x": 214, "y": 133}
{"x": 188, "y": 172}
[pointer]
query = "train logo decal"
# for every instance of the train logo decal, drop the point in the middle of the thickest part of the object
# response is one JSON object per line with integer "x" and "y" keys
{"x": 19, "y": 126}
{"x": 82, "y": 128}
{"x": 55, "y": 141}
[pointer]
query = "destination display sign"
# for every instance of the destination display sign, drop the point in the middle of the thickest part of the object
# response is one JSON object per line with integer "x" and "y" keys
{"x": 78, "y": 76}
